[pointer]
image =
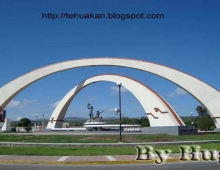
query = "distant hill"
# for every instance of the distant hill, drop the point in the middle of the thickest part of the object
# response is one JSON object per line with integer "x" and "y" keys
{"x": 75, "y": 119}
{"x": 85, "y": 119}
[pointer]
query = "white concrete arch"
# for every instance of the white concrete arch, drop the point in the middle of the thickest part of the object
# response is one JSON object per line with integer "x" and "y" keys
{"x": 208, "y": 96}
{"x": 159, "y": 112}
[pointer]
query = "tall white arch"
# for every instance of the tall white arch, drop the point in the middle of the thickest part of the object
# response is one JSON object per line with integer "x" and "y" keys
{"x": 204, "y": 93}
{"x": 159, "y": 112}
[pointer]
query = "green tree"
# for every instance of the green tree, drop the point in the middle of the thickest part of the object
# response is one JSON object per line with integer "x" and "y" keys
{"x": 28, "y": 128}
{"x": 25, "y": 122}
{"x": 204, "y": 120}
{"x": 143, "y": 121}
{"x": 127, "y": 120}
{"x": 201, "y": 111}
{"x": 205, "y": 123}
{"x": 146, "y": 123}
{"x": 187, "y": 121}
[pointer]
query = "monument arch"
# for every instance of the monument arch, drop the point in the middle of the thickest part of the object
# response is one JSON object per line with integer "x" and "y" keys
{"x": 159, "y": 112}
{"x": 208, "y": 96}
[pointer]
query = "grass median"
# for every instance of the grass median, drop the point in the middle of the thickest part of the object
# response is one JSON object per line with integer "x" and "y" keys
{"x": 90, "y": 151}
{"x": 127, "y": 138}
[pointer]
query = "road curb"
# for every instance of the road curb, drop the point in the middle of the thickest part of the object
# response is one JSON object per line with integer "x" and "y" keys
{"x": 86, "y": 162}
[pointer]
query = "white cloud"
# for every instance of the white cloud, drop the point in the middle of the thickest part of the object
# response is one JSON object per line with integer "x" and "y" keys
{"x": 178, "y": 92}
{"x": 18, "y": 118}
{"x": 14, "y": 103}
{"x": 20, "y": 104}
{"x": 91, "y": 98}
{"x": 112, "y": 110}
{"x": 115, "y": 89}
{"x": 55, "y": 103}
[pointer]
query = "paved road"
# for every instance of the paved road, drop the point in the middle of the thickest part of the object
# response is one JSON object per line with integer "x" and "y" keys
{"x": 94, "y": 160}
{"x": 74, "y": 159}
{"x": 166, "y": 166}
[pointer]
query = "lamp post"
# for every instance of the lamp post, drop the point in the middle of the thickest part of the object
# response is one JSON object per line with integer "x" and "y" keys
{"x": 192, "y": 118}
{"x": 140, "y": 123}
{"x": 43, "y": 121}
{"x": 36, "y": 122}
{"x": 119, "y": 92}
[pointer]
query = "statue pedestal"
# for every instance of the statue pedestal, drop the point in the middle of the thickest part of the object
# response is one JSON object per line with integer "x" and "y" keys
{"x": 94, "y": 122}
{"x": 91, "y": 124}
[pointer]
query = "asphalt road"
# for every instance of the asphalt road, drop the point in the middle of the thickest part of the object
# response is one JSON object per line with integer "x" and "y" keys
{"x": 166, "y": 166}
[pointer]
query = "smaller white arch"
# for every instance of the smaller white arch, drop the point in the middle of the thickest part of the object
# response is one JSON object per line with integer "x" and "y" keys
{"x": 159, "y": 112}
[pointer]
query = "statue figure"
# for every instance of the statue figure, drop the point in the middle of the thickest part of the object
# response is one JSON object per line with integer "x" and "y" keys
{"x": 98, "y": 113}
{"x": 91, "y": 109}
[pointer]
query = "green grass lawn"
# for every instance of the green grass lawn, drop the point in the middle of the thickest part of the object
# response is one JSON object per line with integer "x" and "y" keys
{"x": 128, "y": 138}
{"x": 83, "y": 151}
{"x": 89, "y": 151}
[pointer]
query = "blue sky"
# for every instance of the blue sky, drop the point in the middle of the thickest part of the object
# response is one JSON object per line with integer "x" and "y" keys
{"x": 187, "y": 39}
